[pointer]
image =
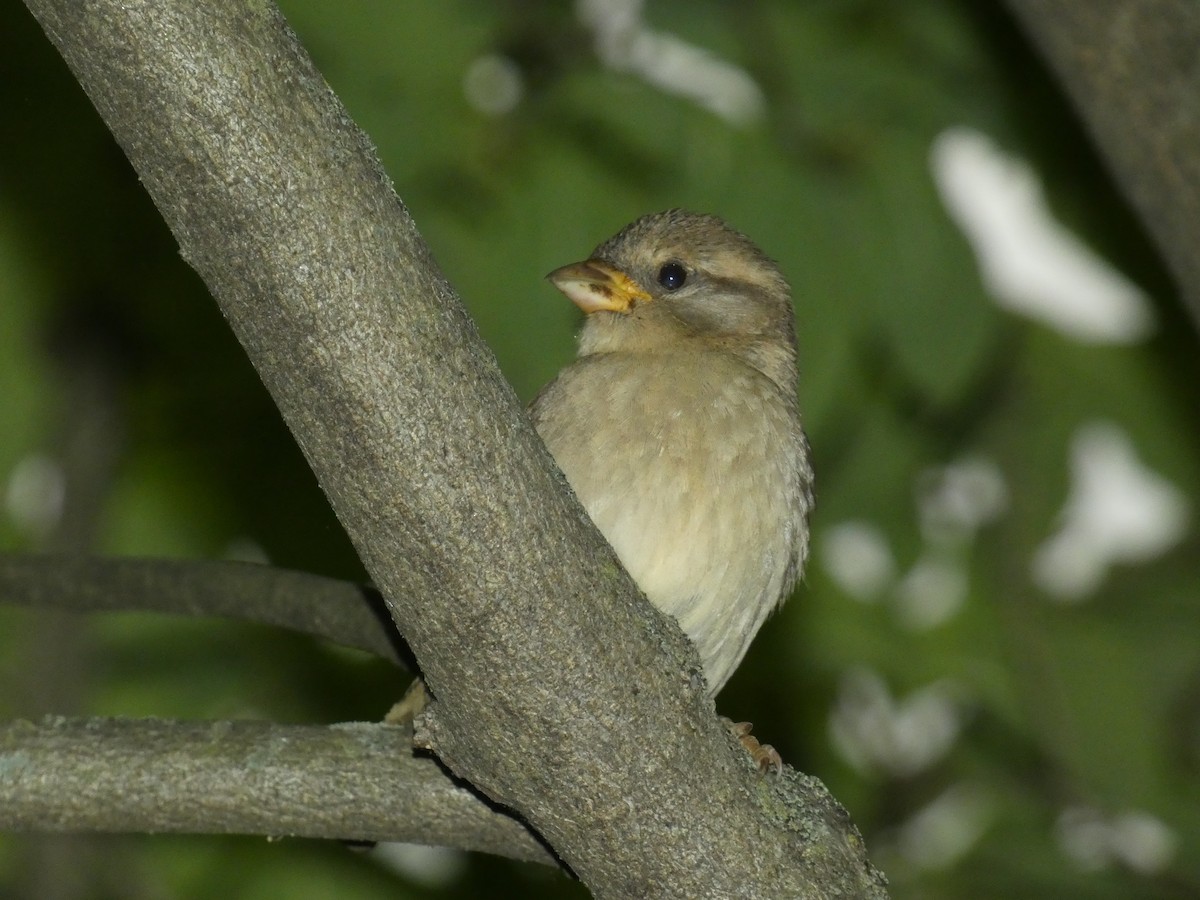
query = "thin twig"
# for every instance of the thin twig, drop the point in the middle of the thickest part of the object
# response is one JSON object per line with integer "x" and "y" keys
{"x": 352, "y": 615}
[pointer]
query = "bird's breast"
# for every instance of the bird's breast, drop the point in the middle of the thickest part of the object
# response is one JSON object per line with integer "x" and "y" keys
{"x": 692, "y": 467}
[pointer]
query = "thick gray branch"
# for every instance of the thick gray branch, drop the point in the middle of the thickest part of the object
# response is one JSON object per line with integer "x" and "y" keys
{"x": 353, "y": 781}
{"x": 1133, "y": 72}
{"x": 352, "y": 615}
{"x": 559, "y": 692}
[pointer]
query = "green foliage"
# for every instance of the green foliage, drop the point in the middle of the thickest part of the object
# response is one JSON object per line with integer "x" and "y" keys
{"x": 907, "y": 366}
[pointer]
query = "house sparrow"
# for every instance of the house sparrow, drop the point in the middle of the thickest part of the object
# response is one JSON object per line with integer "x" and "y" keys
{"x": 678, "y": 427}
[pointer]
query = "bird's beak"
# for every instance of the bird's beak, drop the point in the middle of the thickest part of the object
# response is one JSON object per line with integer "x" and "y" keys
{"x": 595, "y": 285}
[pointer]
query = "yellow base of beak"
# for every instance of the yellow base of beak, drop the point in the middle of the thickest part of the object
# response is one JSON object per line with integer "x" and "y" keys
{"x": 595, "y": 285}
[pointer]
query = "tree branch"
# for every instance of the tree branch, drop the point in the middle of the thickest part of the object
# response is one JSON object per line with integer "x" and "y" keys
{"x": 558, "y": 690}
{"x": 1133, "y": 72}
{"x": 352, "y": 615}
{"x": 354, "y": 781}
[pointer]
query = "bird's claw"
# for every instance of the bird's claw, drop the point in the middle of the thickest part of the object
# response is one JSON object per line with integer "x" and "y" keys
{"x": 765, "y": 756}
{"x": 405, "y": 710}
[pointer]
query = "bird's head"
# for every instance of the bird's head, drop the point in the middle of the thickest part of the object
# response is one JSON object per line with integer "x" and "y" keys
{"x": 677, "y": 280}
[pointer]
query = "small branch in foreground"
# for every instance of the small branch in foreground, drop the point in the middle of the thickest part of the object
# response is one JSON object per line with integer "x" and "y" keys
{"x": 354, "y": 781}
{"x": 345, "y": 613}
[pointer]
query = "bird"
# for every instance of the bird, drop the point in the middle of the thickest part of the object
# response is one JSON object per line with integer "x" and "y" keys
{"x": 678, "y": 427}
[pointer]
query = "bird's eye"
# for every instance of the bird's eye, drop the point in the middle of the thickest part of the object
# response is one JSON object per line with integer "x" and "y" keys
{"x": 672, "y": 276}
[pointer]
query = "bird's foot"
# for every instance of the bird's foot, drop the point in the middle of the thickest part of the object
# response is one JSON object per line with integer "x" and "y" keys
{"x": 408, "y": 707}
{"x": 764, "y": 755}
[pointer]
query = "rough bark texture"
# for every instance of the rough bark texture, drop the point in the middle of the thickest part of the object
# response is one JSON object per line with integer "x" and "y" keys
{"x": 559, "y": 692}
{"x": 355, "y": 781}
{"x": 1132, "y": 71}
